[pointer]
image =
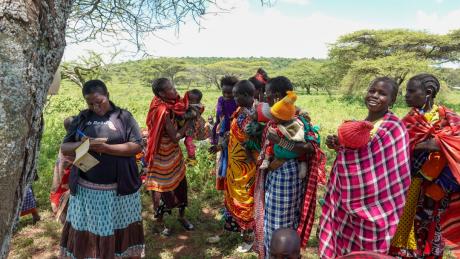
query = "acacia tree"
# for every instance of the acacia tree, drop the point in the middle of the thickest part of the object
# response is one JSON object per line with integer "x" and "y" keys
{"x": 310, "y": 74}
{"x": 168, "y": 67}
{"x": 241, "y": 69}
{"x": 452, "y": 77}
{"x": 399, "y": 66}
{"x": 397, "y": 53}
{"x": 189, "y": 77}
{"x": 87, "y": 68}
{"x": 32, "y": 40}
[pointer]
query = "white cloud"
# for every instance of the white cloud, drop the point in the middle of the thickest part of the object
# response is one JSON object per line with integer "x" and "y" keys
{"x": 242, "y": 33}
{"x": 436, "y": 23}
{"x": 270, "y": 33}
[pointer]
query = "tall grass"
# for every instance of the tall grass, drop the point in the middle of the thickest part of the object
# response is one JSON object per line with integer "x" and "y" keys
{"x": 326, "y": 112}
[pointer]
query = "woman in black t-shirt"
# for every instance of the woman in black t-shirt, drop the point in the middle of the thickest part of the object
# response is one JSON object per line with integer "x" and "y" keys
{"x": 104, "y": 215}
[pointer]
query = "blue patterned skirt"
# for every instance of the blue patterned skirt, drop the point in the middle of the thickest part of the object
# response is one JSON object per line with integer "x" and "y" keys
{"x": 102, "y": 224}
{"x": 284, "y": 191}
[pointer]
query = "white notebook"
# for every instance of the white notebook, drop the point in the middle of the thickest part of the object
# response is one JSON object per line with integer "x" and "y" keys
{"x": 84, "y": 160}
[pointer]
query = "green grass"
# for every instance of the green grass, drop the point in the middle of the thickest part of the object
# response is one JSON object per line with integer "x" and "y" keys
{"x": 204, "y": 201}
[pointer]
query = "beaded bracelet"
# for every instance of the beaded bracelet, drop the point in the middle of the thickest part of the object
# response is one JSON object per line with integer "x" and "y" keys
{"x": 289, "y": 145}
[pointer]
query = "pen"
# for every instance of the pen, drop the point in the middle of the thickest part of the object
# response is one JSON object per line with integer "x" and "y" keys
{"x": 80, "y": 133}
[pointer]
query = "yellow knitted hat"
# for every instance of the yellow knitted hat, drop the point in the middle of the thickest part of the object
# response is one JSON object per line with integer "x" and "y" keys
{"x": 285, "y": 109}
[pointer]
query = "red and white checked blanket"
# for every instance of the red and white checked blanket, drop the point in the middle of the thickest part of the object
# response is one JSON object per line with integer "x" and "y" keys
{"x": 366, "y": 193}
{"x": 316, "y": 166}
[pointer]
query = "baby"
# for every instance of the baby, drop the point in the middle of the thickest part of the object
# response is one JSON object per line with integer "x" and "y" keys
{"x": 287, "y": 127}
{"x": 355, "y": 134}
{"x": 193, "y": 113}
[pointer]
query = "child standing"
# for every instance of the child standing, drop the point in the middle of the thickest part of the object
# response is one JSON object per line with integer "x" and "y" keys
{"x": 209, "y": 125}
{"x": 59, "y": 194}
{"x": 226, "y": 106}
{"x": 29, "y": 205}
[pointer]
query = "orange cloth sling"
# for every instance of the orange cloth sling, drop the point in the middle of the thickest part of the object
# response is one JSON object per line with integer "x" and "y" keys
{"x": 446, "y": 132}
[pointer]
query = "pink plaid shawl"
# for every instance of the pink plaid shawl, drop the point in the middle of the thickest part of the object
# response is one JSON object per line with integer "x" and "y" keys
{"x": 366, "y": 193}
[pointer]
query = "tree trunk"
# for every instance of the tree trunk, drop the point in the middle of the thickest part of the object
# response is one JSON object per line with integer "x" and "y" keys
{"x": 32, "y": 41}
{"x": 308, "y": 88}
{"x": 328, "y": 90}
{"x": 216, "y": 82}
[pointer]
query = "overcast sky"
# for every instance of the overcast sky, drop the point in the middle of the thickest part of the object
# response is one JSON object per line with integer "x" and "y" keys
{"x": 289, "y": 28}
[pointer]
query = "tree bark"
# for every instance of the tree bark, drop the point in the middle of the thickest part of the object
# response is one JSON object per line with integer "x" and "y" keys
{"x": 308, "y": 88}
{"x": 32, "y": 41}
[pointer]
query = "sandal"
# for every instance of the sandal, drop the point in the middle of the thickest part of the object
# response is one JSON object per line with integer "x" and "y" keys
{"x": 166, "y": 232}
{"x": 186, "y": 224}
{"x": 213, "y": 239}
{"x": 244, "y": 248}
{"x": 191, "y": 162}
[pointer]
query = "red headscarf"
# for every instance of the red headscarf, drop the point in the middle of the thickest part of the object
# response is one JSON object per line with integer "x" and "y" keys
{"x": 446, "y": 131}
{"x": 261, "y": 78}
{"x": 158, "y": 111}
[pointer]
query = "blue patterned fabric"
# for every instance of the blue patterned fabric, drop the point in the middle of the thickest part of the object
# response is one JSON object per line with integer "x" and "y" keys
{"x": 103, "y": 211}
{"x": 284, "y": 191}
{"x": 418, "y": 162}
{"x": 447, "y": 181}
{"x": 29, "y": 201}
{"x": 223, "y": 162}
{"x": 223, "y": 128}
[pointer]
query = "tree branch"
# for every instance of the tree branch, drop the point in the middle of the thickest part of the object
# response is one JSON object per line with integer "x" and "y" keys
{"x": 136, "y": 19}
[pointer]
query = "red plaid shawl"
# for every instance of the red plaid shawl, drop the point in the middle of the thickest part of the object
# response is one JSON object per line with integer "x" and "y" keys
{"x": 366, "y": 193}
{"x": 317, "y": 162}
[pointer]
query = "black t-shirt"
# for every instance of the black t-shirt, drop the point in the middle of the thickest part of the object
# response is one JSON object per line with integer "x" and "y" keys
{"x": 119, "y": 127}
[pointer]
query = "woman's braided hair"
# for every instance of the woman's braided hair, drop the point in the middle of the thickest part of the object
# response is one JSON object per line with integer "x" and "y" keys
{"x": 426, "y": 81}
